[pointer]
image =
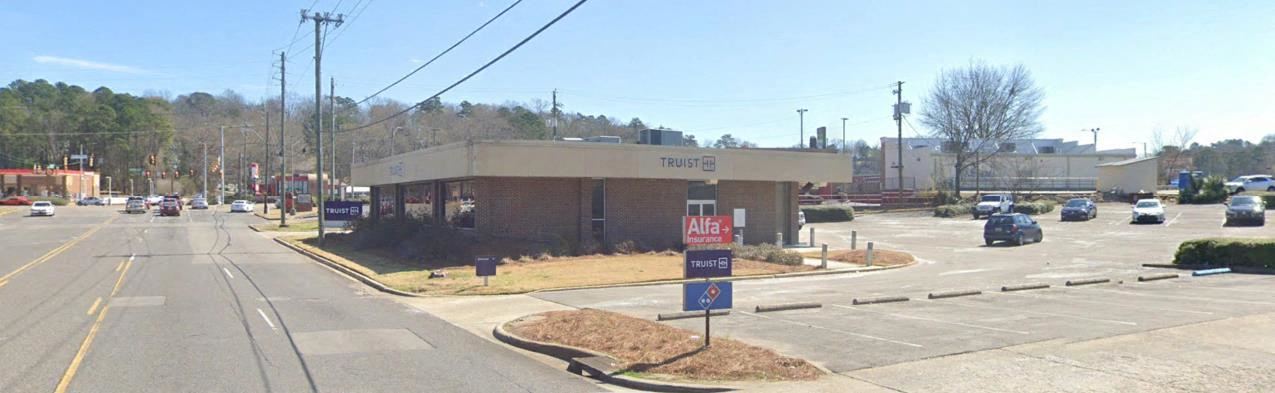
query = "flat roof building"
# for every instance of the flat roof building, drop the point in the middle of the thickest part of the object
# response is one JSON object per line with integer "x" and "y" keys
{"x": 600, "y": 192}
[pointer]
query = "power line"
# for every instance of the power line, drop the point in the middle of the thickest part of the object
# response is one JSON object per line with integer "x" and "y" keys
{"x": 355, "y": 16}
{"x": 480, "y": 69}
{"x": 724, "y": 102}
{"x": 444, "y": 52}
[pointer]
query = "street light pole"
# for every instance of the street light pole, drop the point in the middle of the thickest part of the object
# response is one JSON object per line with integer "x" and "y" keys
{"x": 843, "y": 134}
{"x": 802, "y": 114}
{"x": 221, "y": 161}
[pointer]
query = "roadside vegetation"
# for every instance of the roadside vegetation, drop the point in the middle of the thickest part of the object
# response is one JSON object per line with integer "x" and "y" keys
{"x": 56, "y": 201}
{"x": 293, "y": 226}
{"x": 1204, "y": 191}
{"x": 1227, "y": 252}
{"x": 651, "y": 349}
{"x": 860, "y": 257}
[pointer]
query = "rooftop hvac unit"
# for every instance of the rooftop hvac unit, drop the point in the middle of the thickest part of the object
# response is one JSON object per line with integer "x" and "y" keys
{"x": 660, "y": 137}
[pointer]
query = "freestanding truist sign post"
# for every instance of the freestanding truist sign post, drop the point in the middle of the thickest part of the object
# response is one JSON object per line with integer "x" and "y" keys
{"x": 707, "y": 264}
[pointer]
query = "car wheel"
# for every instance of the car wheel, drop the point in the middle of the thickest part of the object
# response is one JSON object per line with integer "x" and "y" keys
{"x": 1271, "y": 188}
{"x": 1239, "y": 190}
{"x": 1019, "y": 240}
{"x": 1226, "y": 223}
{"x": 975, "y": 216}
{"x": 1040, "y": 237}
{"x": 988, "y": 242}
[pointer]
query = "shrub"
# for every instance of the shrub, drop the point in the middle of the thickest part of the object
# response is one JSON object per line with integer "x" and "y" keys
{"x": 828, "y": 214}
{"x": 626, "y": 247}
{"x": 1227, "y": 252}
{"x": 1203, "y": 191}
{"x": 765, "y": 252}
{"x": 56, "y": 201}
{"x": 1033, "y": 208}
{"x": 385, "y": 233}
{"x": 953, "y": 210}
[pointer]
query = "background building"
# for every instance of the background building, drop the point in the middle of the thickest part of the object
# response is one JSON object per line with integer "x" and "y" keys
{"x": 1026, "y": 164}
{"x": 49, "y": 182}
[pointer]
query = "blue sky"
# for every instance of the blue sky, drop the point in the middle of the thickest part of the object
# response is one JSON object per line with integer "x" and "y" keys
{"x": 706, "y": 67}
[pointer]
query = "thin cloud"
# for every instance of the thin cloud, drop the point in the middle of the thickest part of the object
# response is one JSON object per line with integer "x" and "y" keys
{"x": 88, "y": 65}
{"x": 415, "y": 60}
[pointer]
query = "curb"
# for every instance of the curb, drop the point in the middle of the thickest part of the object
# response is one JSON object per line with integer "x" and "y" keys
{"x": 1210, "y": 272}
{"x": 689, "y": 314}
{"x": 1153, "y": 277}
{"x": 1087, "y": 281}
{"x": 956, "y": 293}
{"x": 1024, "y": 287}
{"x": 786, "y": 307}
{"x": 1234, "y": 269}
{"x": 347, "y": 271}
{"x": 567, "y": 353}
{"x": 876, "y": 300}
{"x": 732, "y": 279}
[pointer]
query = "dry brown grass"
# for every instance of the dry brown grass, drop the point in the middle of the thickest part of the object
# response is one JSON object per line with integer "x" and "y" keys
{"x": 879, "y": 257}
{"x": 522, "y": 276}
{"x": 649, "y": 347}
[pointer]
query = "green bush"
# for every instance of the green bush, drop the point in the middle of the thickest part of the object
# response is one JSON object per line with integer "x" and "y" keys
{"x": 954, "y": 210}
{"x": 766, "y": 252}
{"x": 1227, "y": 252}
{"x": 1203, "y": 191}
{"x": 1033, "y": 208}
{"x": 828, "y": 214}
{"x": 56, "y": 201}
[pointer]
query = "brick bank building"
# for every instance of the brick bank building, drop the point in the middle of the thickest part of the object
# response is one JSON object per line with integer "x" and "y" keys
{"x": 604, "y": 192}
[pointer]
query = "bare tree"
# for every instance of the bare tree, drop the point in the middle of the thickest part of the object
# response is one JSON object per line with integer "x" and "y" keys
{"x": 1172, "y": 148}
{"x": 977, "y": 108}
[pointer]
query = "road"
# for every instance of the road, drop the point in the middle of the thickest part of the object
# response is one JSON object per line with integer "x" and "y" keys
{"x": 94, "y": 300}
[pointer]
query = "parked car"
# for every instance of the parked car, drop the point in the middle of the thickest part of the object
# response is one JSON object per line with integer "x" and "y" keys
{"x": 199, "y": 203}
{"x": 135, "y": 206}
{"x": 1017, "y": 228}
{"x": 91, "y": 201}
{"x": 1148, "y": 210}
{"x": 1079, "y": 209}
{"x": 1250, "y": 183}
{"x": 170, "y": 208}
{"x": 154, "y": 199}
{"x": 42, "y": 208}
{"x": 241, "y": 206}
{"x": 1245, "y": 208}
{"x": 16, "y": 201}
{"x": 993, "y": 203}
{"x": 175, "y": 199}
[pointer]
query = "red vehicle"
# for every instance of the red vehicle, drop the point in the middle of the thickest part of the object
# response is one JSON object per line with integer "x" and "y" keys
{"x": 16, "y": 201}
{"x": 170, "y": 208}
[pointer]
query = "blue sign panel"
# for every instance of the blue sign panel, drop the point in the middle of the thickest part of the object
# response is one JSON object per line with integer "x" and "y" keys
{"x": 708, "y": 263}
{"x": 342, "y": 210}
{"x": 485, "y": 266}
{"x": 701, "y": 296}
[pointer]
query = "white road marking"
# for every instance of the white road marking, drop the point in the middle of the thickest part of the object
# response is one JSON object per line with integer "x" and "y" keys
{"x": 835, "y": 330}
{"x": 263, "y": 316}
{"x": 957, "y": 303}
{"x": 227, "y": 272}
{"x": 1182, "y": 297}
{"x": 954, "y": 272}
{"x": 1175, "y": 219}
{"x": 904, "y": 316}
{"x": 131, "y": 256}
{"x": 1066, "y": 299}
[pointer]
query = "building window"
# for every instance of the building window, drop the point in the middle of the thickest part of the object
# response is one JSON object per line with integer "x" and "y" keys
{"x": 701, "y": 199}
{"x": 418, "y": 201}
{"x": 461, "y": 205}
{"x": 385, "y": 199}
{"x": 599, "y": 217}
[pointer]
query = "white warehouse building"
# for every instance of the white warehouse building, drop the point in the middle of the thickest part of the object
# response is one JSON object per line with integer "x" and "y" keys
{"x": 1026, "y": 164}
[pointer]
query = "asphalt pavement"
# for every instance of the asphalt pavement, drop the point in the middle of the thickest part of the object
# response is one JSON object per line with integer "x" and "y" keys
{"x": 95, "y": 300}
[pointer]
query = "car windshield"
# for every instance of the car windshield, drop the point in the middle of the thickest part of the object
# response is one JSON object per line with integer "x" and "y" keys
{"x": 1076, "y": 203}
{"x": 42, "y": 204}
{"x": 997, "y": 220}
{"x": 1148, "y": 204}
{"x": 1239, "y": 179}
{"x": 991, "y": 198}
{"x": 1243, "y": 201}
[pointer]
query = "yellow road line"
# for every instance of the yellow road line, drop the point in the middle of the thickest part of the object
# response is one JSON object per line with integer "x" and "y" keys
{"x": 119, "y": 266}
{"x": 55, "y": 251}
{"x": 93, "y": 308}
{"x": 3, "y": 282}
{"x": 69, "y": 375}
{"x": 9, "y": 210}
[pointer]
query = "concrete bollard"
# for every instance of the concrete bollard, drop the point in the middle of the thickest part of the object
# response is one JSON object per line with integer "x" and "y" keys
{"x": 812, "y": 236}
{"x": 823, "y": 257}
{"x": 779, "y": 239}
{"x": 868, "y": 257}
{"x": 854, "y": 239}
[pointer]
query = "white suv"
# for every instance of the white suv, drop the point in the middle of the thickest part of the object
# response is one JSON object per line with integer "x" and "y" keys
{"x": 993, "y": 203}
{"x": 1251, "y": 183}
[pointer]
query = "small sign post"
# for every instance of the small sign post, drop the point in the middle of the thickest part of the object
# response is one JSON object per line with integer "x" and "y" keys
{"x": 708, "y": 263}
{"x": 485, "y": 267}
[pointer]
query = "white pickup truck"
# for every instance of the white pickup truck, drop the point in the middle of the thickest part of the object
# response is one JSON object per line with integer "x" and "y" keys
{"x": 993, "y": 203}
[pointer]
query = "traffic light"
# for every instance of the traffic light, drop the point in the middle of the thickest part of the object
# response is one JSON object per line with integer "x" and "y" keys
{"x": 192, "y": 173}
{"x": 151, "y": 159}
{"x": 91, "y": 156}
{"x": 177, "y": 174}
{"x": 146, "y": 174}
{"x": 65, "y": 161}
{"x": 162, "y": 174}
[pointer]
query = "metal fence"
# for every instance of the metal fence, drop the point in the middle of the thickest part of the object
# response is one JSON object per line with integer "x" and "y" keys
{"x": 1029, "y": 183}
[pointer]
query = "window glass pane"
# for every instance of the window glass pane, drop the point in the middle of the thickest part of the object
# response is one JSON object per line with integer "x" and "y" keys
{"x": 418, "y": 201}
{"x": 708, "y": 209}
{"x": 701, "y": 190}
{"x": 692, "y": 210}
{"x": 386, "y": 199}
{"x": 599, "y": 231}
{"x": 461, "y": 204}
{"x": 599, "y": 199}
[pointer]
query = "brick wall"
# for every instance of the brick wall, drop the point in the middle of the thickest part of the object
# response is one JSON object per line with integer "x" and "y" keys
{"x": 646, "y": 211}
{"x": 528, "y": 208}
{"x": 758, "y": 198}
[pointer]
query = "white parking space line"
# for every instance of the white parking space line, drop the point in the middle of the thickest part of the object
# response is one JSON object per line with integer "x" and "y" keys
{"x": 1012, "y": 309}
{"x": 955, "y": 272}
{"x": 1067, "y": 299}
{"x": 227, "y": 272}
{"x": 1196, "y": 298}
{"x": 904, "y": 316}
{"x": 835, "y": 330}
{"x": 263, "y": 316}
{"x": 1175, "y": 219}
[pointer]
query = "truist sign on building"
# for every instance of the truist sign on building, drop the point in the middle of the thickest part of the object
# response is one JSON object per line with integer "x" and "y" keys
{"x": 701, "y": 163}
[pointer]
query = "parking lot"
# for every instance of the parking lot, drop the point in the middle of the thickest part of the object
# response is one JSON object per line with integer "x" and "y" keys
{"x": 1184, "y": 334}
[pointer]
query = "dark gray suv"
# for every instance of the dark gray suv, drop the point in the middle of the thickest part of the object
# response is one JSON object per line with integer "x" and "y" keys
{"x": 1017, "y": 228}
{"x": 1245, "y": 208}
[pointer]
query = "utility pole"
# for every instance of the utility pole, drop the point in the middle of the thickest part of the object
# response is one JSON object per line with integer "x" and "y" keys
{"x": 554, "y": 110}
{"x": 898, "y": 118}
{"x": 843, "y": 134}
{"x": 81, "y": 171}
{"x": 265, "y": 198}
{"x": 319, "y": 20}
{"x": 332, "y": 130}
{"x": 802, "y": 139}
{"x": 221, "y": 161}
{"x": 205, "y": 192}
{"x": 283, "y": 158}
